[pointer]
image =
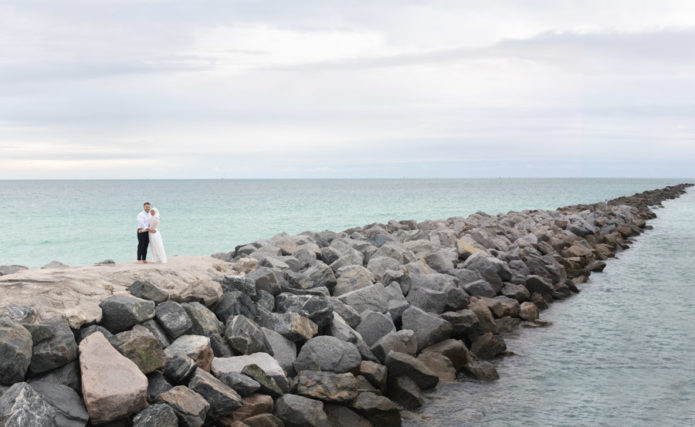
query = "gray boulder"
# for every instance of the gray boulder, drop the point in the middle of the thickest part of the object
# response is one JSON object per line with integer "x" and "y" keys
{"x": 155, "y": 329}
{"x": 22, "y": 406}
{"x": 140, "y": 346}
{"x": 68, "y": 404}
{"x": 373, "y": 297}
{"x": 494, "y": 270}
{"x": 242, "y": 384}
{"x": 20, "y": 313}
{"x": 379, "y": 266}
{"x": 342, "y": 416}
{"x": 397, "y": 303}
{"x": 223, "y": 399}
{"x": 158, "y": 415}
{"x": 235, "y": 303}
{"x": 480, "y": 288}
{"x": 401, "y": 364}
{"x": 67, "y": 375}
{"x": 122, "y": 312}
{"x": 300, "y": 411}
{"x": 351, "y": 278}
{"x": 148, "y": 291}
{"x": 15, "y": 351}
{"x": 190, "y": 407}
{"x": 266, "y": 279}
{"x": 203, "y": 320}
{"x": 538, "y": 284}
{"x": 488, "y": 346}
{"x": 240, "y": 283}
{"x": 374, "y": 326}
{"x": 380, "y": 410}
{"x": 405, "y": 391}
{"x": 173, "y": 318}
{"x": 267, "y": 382}
{"x": 326, "y": 386}
{"x": 326, "y": 353}
{"x": 348, "y": 313}
{"x": 518, "y": 292}
{"x": 56, "y": 351}
{"x": 464, "y": 322}
{"x": 429, "y": 300}
{"x": 428, "y": 328}
{"x": 245, "y": 336}
{"x": 403, "y": 341}
{"x": 317, "y": 308}
{"x": 156, "y": 385}
{"x": 284, "y": 350}
{"x": 221, "y": 366}
{"x": 11, "y": 269}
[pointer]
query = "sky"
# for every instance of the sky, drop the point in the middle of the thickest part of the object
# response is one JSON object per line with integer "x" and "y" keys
{"x": 101, "y": 89}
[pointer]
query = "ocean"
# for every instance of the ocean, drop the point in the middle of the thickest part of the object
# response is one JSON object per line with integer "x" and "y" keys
{"x": 84, "y": 222}
{"x": 619, "y": 353}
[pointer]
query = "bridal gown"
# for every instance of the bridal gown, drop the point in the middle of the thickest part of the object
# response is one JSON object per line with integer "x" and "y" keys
{"x": 156, "y": 243}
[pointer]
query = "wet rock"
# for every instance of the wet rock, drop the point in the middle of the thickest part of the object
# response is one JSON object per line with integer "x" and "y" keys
{"x": 403, "y": 341}
{"x": 194, "y": 346}
{"x": 223, "y": 399}
{"x": 253, "y": 405}
{"x": 528, "y": 311}
{"x": 481, "y": 370}
{"x": 148, "y": 291}
{"x": 299, "y": 411}
{"x": 352, "y": 278}
{"x": 401, "y": 364}
{"x": 222, "y": 366}
{"x": 326, "y": 386}
{"x": 507, "y": 324}
{"x": 235, "y": 303}
{"x": 486, "y": 322}
{"x": 428, "y": 328}
{"x": 242, "y": 384}
{"x": 156, "y": 385}
{"x": 405, "y": 392}
{"x": 316, "y": 308}
{"x": 122, "y": 312}
{"x": 326, "y": 353}
{"x": 245, "y": 336}
{"x": 488, "y": 346}
{"x": 140, "y": 346}
{"x": 268, "y": 383}
{"x": 67, "y": 375}
{"x": 112, "y": 386}
{"x": 375, "y": 373}
{"x": 284, "y": 350}
{"x": 66, "y": 401}
{"x": 203, "y": 320}
{"x": 342, "y": 416}
{"x": 22, "y": 406}
{"x": 455, "y": 350}
{"x": 380, "y": 410}
{"x": 190, "y": 407}
{"x": 374, "y": 326}
{"x": 372, "y": 297}
{"x": 173, "y": 318}
{"x": 15, "y": 351}
{"x": 158, "y": 415}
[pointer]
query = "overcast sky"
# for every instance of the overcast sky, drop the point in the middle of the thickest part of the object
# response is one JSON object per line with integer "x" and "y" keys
{"x": 303, "y": 89}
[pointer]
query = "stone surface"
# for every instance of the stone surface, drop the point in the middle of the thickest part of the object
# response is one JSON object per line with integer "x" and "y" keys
{"x": 239, "y": 282}
{"x": 203, "y": 320}
{"x": 372, "y": 297}
{"x": 245, "y": 336}
{"x": 284, "y": 350}
{"x": 68, "y": 375}
{"x": 481, "y": 370}
{"x": 66, "y": 401}
{"x": 55, "y": 351}
{"x": 112, "y": 386}
{"x": 234, "y": 303}
{"x": 374, "y": 326}
{"x": 140, "y": 346}
{"x": 264, "y": 420}
{"x": 375, "y": 373}
{"x": 156, "y": 331}
{"x": 405, "y": 392}
{"x": 455, "y": 350}
{"x": 299, "y": 411}
{"x": 22, "y": 406}
{"x": 173, "y": 318}
{"x": 480, "y": 288}
{"x": 528, "y": 311}
{"x": 494, "y": 270}
{"x": 326, "y": 353}
{"x": 266, "y": 279}
{"x": 267, "y": 382}
{"x": 342, "y": 416}
{"x": 147, "y": 290}
{"x": 316, "y": 308}
{"x": 518, "y": 292}
{"x": 403, "y": 341}
{"x": 352, "y": 278}
{"x": 380, "y": 410}
{"x": 488, "y": 346}
{"x": 179, "y": 367}
{"x": 242, "y": 384}
{"x": 190, "y": 407}
{"x": 194, "y": 346}
{"x": 156, "y": 385}
{"x": 428, "y": 328}
{"x": 293, "y": 326}
{"x": 401, "y": 364}
{"x": 207, "y": 292}
{"x": 224, "y": 365}
{"x": 122, "y": 312}
{"x": 15, "y": 351}
{"x": 326, "y": 386}
{"x": 158, "y": 415}
{"x": 538, "y": 284}
{"x": 20, "y": 313}
{"x": 223, "y": 399}
{"x": 440, "y": 365}
{"x": 254, "y": 404}
{"x": 429, "y": 300}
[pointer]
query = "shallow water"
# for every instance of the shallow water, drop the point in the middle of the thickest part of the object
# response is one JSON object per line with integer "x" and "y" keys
{"x": 83, "y": 222}
{"x": 622, "y": 352}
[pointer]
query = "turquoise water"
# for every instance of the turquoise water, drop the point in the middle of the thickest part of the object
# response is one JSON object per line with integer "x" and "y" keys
{"x": 622, "y": 352}
{"x": 83, "y": 222}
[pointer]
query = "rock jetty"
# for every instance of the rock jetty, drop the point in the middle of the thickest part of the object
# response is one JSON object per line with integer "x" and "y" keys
{"x": 315, "y": 329}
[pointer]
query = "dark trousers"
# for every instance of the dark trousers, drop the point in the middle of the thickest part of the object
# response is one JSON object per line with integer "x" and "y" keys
{"x": 143, "y": 241}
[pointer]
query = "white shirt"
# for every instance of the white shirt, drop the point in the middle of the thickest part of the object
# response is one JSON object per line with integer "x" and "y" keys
{"x": 143, "y": 220}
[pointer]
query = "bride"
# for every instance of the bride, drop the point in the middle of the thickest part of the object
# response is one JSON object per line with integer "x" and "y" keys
{"x": 156, "y": 243}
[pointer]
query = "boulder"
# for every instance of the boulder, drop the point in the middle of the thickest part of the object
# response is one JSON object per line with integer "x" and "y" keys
{"x": 20, "y": 313}
{"x": 263, "y": 420}
{"x": 316, "y": 308}
{"x": 265, "y": 301}
{"x": 375, "y": 373}
{"x": 55, "y": 264}
{"x": 326, "y": 353}
{"x": 374, "y": 326}
{"x": 253, "y": 405}
{"x": 403, "y": 341}
{"x": 380, "y": 410}
{"x": 242, "y": 384}
{"x": 372, "y": 297}
{"x": 140, "y": 346}
{"x": 428, "y": 328}
{"x": 506, "y": 307}
{"x": 245, "y": 336}
{"x": 223, "y": 365}
{"x": 293, "y": 326}
{"x": 112, "y": 385}
{"x": 480, "y": 288}
{"x": 190, "y": 407}
{"x": 173, "y": 318}
{"x": 379, "y": 266}
{"x": 326, "y": 386}
{"x": 223, "y": 399}
{"x": 300, "y": 411}
{"x": 266, "y": 279}
{"x": 486, "y": 322}
{"x": 494, "y": 270}
{"x": 203, "y": 320}
{"x": 401, "y": 364}
{"x": 89, "y": 330}
{"x": 268, "y": 383}
{"x": 348, "y": 313}
{"x": 342, "y": 416}
{"x": 528, "y": 311}
{"x": 518, "y": 292}
{"x": 68, "y": 375}
{"x": 397, "y": 303}
{"x": 156, "y": 331}
{"x": 122, "y": 312}
{"x": 481, "y": 370}
{"x": 341, "y": 330}
{"x": 429, "y": 300}
{"x": 538, "y": 284}
{"x": 464, "y": 323}
{"x": 206, "y": 292}
{"x": 156, "y": 385}
{"x": 66, "y": 401}
{"x": 439, "y": 364}
{"x": 194, "y": 346}
{"x": 22, "y": 406}
{"x": 284, "y": 350}
{"x": 15, "y": 351}
{"x": 11, "y": 269}
{"x": 146, "y": 290}
{"x": 158, "y": 415}
{"x": 352, "y": 278}
{"x": 240, "y": 283}
{"x": 455, "y": 350}
{"x": 179, "y": 367}
{"x": 488, "y": 346}
{"x": 405, "y": 392}
{"x": 234, "y": 303}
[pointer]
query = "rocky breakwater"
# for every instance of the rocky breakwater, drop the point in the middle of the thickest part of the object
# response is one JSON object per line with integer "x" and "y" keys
{"x": 316, "y": 329}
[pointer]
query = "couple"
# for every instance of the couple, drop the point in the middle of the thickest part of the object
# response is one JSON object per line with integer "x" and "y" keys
{"x": 148, "y": 234}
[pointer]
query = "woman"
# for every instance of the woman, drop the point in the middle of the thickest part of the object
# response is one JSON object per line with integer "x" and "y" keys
{"x": 156, "y": 243}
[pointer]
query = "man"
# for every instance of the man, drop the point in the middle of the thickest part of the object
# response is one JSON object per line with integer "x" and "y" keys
{"x": 143, "y": 235}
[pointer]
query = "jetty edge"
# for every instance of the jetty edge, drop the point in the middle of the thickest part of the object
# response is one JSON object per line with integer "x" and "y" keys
{"x": 315, "y": 329}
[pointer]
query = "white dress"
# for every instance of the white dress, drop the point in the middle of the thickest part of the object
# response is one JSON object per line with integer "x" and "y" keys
{"x": 156, "y": 244}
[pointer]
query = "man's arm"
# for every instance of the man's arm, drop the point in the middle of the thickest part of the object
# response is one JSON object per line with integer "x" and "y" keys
{"x": 141, "y": 223}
